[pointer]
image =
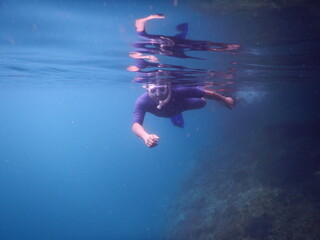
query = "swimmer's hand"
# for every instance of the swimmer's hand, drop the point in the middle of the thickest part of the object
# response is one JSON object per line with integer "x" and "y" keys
{"x": 151, "y": 140}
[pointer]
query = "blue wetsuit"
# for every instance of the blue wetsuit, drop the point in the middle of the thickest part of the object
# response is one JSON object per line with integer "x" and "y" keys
{"x": 182, "y": 99}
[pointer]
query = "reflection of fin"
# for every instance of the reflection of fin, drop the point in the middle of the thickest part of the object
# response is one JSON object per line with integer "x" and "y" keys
{"x": 177, "y": 120}
{"x": 183, "y": 27}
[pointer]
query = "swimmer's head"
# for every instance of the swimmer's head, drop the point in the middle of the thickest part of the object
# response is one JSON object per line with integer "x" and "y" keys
{"x": 160, "y": 93}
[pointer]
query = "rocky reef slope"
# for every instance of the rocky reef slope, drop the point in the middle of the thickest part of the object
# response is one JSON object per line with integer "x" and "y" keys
{"x": 263, "y": 185}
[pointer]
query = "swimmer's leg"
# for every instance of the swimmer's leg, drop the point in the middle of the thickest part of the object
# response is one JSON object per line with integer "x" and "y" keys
{"x": 187, "y": 104}
{"x": 193, "y": 103}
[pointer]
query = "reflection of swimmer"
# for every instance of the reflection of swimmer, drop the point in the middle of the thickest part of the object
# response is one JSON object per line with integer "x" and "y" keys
{"x": 148, "y": 67}
{"x": 153, "y": 69}
{"x": 164, "y": 100}
{"x": 149, "y": 61}
{"x": 177, "y": 44}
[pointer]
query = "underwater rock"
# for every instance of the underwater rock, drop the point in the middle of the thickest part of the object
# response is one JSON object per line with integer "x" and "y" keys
{"x": 265, "y": 190}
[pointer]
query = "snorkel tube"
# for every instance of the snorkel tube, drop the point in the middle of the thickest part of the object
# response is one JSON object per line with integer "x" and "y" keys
{"x": 164, "y": 102}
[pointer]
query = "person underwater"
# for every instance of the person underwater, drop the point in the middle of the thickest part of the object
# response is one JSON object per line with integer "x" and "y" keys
{"x": 164, "y": 100}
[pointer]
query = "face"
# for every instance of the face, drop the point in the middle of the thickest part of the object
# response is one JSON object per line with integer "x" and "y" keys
{"x": 158, "y": 92}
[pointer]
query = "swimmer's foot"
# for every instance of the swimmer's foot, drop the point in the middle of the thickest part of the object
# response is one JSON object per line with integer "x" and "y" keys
{"x": 230, "y": 103}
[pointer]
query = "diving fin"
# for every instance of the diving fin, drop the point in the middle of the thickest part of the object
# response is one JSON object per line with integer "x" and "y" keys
{"x": 177, "y": 120}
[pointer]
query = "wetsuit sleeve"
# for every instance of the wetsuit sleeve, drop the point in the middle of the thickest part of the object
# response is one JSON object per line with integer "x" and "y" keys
{"x": 139, "y": 111}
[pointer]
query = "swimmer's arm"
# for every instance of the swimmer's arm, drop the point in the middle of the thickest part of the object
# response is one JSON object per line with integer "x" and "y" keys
{"x": 141, "y": 22}
{"x": 151, "y": 140}
{"x": 216, "y": 96}
{"x": 139, "y": 131}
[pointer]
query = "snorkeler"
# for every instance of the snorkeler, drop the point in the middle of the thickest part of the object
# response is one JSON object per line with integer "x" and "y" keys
{"x": 164, "y": 100}
{"x": 177, "y": 44}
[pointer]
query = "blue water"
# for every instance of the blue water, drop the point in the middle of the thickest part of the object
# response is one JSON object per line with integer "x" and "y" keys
{"x": 70, "y": 167}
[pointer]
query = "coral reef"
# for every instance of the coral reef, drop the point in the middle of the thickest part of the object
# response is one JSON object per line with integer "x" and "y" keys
{"x": 266, "y": 189}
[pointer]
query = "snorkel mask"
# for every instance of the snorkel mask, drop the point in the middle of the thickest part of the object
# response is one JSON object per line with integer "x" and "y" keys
{"x": 160, "y": 93}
